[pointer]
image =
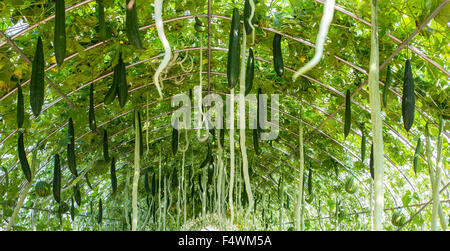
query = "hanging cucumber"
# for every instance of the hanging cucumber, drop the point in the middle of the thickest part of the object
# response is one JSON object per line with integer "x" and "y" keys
{"x": 348, "y": 114}
{"x": 72, "y": 209}
{"x": 256, "y": 141}
{"x": 408, "y": 99}
{"x": 105, "y": 146}
{"x": 174, "y": 141}
{"x": 37, "y": 88}
{"x": 250, "y": 72}
{"x": 92, "y": 123}
{"x": 88, "y": 182}
{"x": 113, "y": 175}
{"x": 234, "y": 50}
{"x": 277, "y": 55}
{"x": 71, "y": 159}
{"x": 132, "y": 25}
{"x": 101, "y": 19}
{"x": 77, "y": 194}
{"x": 23, "y": 158}
{"x": 56, "y": 179}
{"x": 363, "y": 143}
{"x": 372, "y": 171}
{"x": 60, "y": 32}
{"x": 20, "y": 107}
{"x": 122, "y": 86}
{"x": 310, "y": 191}
{"x": 387, "y": 84}
{"x": 112, "y": 93}
{"x": 141, "y": 141}
{"x": 416, "y": 155}
{"x": 100, "y": 212}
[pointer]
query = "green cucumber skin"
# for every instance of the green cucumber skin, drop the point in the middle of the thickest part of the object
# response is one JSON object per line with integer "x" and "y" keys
{"x": 174, "y": 141}
{"x": 250, "y": 72}
{"x": 101, "y": 19}
{"x": 105, "y": 145}
{"x": 100, "y": 212}
{"x": 132, "y": 26}
{"x": 60, "y": 32}
{"x": 20, "y": 107}
{"x": 141, "y": 141}
{"x": 77, "y": 194}
{"x": 71, "y": 159}
{"x": 277, "y": 55}
{"x": 234, "y": 50}
{"x": 408, "y": 99}
{"x": 37, "y": 87}
{"x": 23, "y": 158}
{"x": 57, "y": 179}
{"x": 348, "y": 114}
{"x": 122, "y": 86}
{"x": 112, "y": 92}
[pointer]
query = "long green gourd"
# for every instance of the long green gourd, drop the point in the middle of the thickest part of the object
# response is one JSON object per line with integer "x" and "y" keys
{"x": 416, "y": 155}
{"x": 101, "y": 19}
{"x": 91, "y": 113}
{"x": 56, "y": 179}
{"x": 112, "y": 92}
{"x": 377, "y": 123}
{"x": 37, "y": 87}
{"x": 60, "y": 32}
{"x": 122, "y": 86}
{"x": 325, "y": 22}
{"x": 167, "y": 51}
{"x": 20, "y": 107}
{"x": 250, "y": 72}
{"x": 132, "y": 24}
{"x": 408, "y": 99}
{"x": 242, "y": 121}
{"x": 363, "y": 143}
{"x": 100, "y": 212}
{"x": 71, "y": 158}
{"x": 23, "y": 158}
{"x": 234, "y": 50}
{"x": 105, "y": 145}
{"x": 77, "y": 194}
{"x": 348, "y": 114}
{"x": 277, "y": 55}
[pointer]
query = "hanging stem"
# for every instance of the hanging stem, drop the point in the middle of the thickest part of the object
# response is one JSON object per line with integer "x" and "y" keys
{"x": 376, "y": 122}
